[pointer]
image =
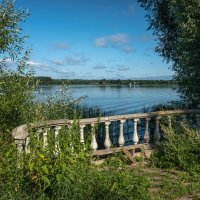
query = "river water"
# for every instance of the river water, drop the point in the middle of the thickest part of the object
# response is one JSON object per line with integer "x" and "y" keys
{"x": 122, "y": 100}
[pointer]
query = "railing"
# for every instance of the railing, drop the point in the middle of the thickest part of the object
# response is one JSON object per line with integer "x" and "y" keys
{"x": 21, "y": 134}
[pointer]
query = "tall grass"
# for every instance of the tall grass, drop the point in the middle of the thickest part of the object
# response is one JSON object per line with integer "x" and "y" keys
{"x": 180, "y": 148}
{"x": 62, "y": 172}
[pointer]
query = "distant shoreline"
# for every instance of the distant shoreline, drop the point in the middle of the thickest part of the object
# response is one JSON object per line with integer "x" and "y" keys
{"x": 104, "y": 82}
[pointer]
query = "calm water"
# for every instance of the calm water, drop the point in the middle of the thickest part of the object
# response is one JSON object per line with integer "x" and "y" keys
{"x": 122, "y": 100}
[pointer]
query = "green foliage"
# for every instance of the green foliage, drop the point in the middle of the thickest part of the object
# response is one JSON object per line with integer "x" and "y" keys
{"x": 16, "y": 79}
{"x": 176, "y": 26}
{"x": 11, "y": 40}
{"x": 63, "y": 171}
{"x": 11, "y": 176}
{"x": 16, "y": 95}
{"x": 106, "y": 185}
{"x": 180, "y": 149}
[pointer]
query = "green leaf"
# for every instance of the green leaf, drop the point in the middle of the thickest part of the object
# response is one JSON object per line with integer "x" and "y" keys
{"x": 64, "y": 167}
{"x": 59, "y": 177}
{"x": 45, "y": 169}
{"x": 31, "y": 166}
{"x": 41, "y": 156}
{"x": 46, "y": 180}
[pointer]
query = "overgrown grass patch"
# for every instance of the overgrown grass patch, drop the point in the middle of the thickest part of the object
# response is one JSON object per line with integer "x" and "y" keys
{"x": 179, "y": 148}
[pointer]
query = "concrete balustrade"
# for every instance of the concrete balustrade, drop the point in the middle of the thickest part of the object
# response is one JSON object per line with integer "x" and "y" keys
{"x": 146, "y": 138}
{"x": 107, "y": 142}
{"x": 157, "y": 130}
{"x": 94, "y": 144}
{"x": 121, "y": 140}
{"x": 21, "y": 134}
{"x": 82, "y": 126}
{"x": 56, "y": 132}
{"x": 135, "y": 133}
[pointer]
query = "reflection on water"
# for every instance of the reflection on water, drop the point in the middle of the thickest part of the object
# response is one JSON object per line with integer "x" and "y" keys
{"x": 122, "y": 99}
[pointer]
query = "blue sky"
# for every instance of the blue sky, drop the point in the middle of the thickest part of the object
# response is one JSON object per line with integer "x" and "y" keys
{"x": 91, "y": 39}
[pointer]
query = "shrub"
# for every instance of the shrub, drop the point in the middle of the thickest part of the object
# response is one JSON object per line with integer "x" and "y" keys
{"x": 46, "y": 173}
{"x": 180, "y": 148}
{"x": 16, "y": 95}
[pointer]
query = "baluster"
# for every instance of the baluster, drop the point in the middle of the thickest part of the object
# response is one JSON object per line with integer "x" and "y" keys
{"x": 135, "y": 133}
{"x": 157, "y": 131}
{"x": 94, "y": 144}
{"x": 27, "y": 145}
{"x": 184, "y": 117}
{"x": 169, "y": 117}
{"x": 69, "y": 126}
{"x": 82, "y": 126}
{"x": 39, "y": 133}
{"x": 57, "y": 129}
{"x": 121, "y": 140}
{"x": 146, "y": 132}
{"x": 45, "y": 132}
{"x": 107, "y": 142}
{"x": 20, "y": 146}
{"x": 198, "y": 120}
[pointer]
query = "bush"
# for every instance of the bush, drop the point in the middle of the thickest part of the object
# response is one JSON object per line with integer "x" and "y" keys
{"x": 16, "y": 95}
{"x": 180, "y": 148}
{"x": 63, "y": 172}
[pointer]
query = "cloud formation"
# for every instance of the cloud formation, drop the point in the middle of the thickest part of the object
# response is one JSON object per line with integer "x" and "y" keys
{"x": 99, "y": 67}
{"x": 75, "y": 60}
{"x": 40, "y": 66}
{"x": 119, "y": 38}
{"x": 110, "y": 71}
{"x": 145, "y": 38}
{"x": 123, "y": 68}
{"x": 60, "y": 46}
{"x": 119, "y": 41}
{"x": 101, "y": 42}
{"x": 57, "y": 62}
{"x": 64, "y": 72}
{"x": 46, "y": 67}
{"x": 72, "y": 60}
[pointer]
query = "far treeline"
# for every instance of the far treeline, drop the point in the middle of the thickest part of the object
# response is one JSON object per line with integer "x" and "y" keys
{"x": 51, "y": 81}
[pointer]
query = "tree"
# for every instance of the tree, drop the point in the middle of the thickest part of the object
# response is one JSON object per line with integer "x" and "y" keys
{"x": 16, "y": 81}
{"x": 11, "y": 38}
{"x": 176, "y": 25}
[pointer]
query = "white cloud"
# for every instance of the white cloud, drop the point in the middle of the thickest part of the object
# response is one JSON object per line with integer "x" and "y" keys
{"x": 50, "y": 69}
{"x": 97, "y": 67}
{"x": 60, "y": 46}
{"x": 101, "y": 42}
{"x": 40, "y": 66}
{"x": 145, "y": 38}
{"x": 65, "y": 72}
{"x": 123, "y": 68}
{"x": 119, "y": 41}
{"x": 75, "y": 60}
{"x": 58, "y": 62}
{"x": 127, "y": 49}
{"x": 119, "y": 38}
{"x": 110, "y": 71}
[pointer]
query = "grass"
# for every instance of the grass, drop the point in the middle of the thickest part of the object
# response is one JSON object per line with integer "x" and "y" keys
{"x": 169, "y": 184}
{"x": 71, "y": 175}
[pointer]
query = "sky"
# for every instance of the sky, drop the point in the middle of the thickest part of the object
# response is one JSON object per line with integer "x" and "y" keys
{"x": 91, "y": 39}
